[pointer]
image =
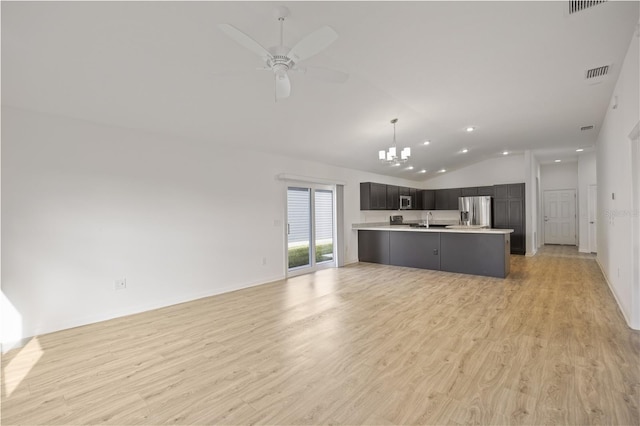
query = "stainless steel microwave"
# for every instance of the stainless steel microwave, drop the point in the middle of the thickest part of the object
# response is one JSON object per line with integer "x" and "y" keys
{"x": 405, "y": 202}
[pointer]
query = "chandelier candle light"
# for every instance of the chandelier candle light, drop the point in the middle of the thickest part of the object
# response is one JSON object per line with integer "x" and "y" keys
{"x": 390, "y": 156}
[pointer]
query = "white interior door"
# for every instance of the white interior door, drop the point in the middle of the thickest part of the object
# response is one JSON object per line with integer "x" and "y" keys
{"x": 593, "y": 218}
{"x": 560, "y": 216}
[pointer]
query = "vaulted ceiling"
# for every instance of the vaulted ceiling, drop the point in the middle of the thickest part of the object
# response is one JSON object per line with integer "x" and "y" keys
{"x": 513, "y": 70}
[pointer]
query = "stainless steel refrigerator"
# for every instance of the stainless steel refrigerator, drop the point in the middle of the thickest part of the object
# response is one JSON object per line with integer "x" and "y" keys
{"x": 475, "y": 211}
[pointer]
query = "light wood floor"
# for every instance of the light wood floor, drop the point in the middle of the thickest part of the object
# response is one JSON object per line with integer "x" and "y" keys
{"x": 364, "y": 344}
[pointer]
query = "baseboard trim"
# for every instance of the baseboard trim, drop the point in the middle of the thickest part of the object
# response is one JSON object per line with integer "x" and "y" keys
{"x": 615, "y": 296}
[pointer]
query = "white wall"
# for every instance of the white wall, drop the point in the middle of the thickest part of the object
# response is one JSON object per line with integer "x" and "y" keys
{"x": 85, "y": 204}
{"x": 614, "y": 177}
{"x": 586, "y": 177}
{"x": 532, "y": 195}
{"x": 500, "y": 170}
{"x": 559, "y": 176}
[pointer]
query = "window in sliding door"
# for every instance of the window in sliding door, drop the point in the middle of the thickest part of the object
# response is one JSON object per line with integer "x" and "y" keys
{"x": 310, "y": 228}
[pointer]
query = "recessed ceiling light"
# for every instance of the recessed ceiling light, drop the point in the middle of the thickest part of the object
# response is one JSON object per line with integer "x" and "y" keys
{"x": 557, "y": 161}
{"x": 410, "y": 168}
{"x": 505, "y": 152}
{"x": 422, "y": 171}
{"x": 442, "y": 170}
{"x": 470, "y": 129}
{"x": 579, "y": 150}
{"x": 426, "y": 142}
{"x": 464, "y": 151}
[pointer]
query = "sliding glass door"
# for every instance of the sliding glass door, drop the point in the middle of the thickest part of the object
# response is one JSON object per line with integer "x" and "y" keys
{"x": 310, "y": 228}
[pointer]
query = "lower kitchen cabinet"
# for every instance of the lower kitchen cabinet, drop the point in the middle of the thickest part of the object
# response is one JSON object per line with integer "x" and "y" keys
{"x": 373, "y": 246}
{"x": 476, "y": 254}
{"x": 415, "y": 250}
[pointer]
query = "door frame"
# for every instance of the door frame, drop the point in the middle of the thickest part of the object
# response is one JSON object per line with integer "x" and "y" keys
{"x": 634, "y": 138}
{"x": 313, "y": 266}
{"x": 575, "y": 214}
{"x": 592, "y": 231}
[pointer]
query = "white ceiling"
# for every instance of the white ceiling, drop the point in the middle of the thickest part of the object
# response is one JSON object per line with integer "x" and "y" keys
{"x": 514, "y": 70}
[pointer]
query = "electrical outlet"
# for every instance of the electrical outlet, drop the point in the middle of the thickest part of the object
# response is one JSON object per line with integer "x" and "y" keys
{"x": 120, "y": 284}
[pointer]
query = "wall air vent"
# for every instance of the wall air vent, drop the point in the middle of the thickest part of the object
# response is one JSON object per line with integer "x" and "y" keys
{"x": 577, "y": 6}
{"x": 583, "y": 128}
{"x": 596, "y": 72}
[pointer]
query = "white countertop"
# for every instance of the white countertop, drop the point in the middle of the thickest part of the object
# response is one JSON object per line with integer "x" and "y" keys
{"x": 405, "y": 228}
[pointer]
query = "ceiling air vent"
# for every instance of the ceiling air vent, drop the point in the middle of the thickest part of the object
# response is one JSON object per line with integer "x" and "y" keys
{"x": 577, "y": 6}
{"x": 583, "y": 128}
{"x": 596, "y": 72}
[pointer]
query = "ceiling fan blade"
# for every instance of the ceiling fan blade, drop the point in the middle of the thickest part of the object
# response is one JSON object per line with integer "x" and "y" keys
{"x": 244, "y": 40}
{"x": 283, "y": 86}
{"x": 313, "y": 43}
{"x": 326, "y": 74}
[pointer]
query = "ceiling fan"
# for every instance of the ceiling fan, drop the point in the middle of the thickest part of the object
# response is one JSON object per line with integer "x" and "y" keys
{"x": 281, "y": 59}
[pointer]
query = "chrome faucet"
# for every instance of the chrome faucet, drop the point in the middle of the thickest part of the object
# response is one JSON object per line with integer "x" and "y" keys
{"x": 429, "y": 215}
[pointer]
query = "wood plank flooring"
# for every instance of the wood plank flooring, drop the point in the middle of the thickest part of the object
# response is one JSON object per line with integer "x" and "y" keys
{"x": 365, "y": 344}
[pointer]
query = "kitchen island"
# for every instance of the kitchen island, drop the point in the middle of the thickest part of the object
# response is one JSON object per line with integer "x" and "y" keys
{"x": 477, "y": 251}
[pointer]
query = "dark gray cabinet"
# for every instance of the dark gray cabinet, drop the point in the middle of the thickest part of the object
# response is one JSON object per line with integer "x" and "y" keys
{"x": 477, "y": 254}
{"x": 413, "y": 193}
{"x": 468, "y": 253}
{"x": 509, "y": 213}
{"x": 485, "y": 190}
{"x": 468, "y": 192}
{"x": 373, "y": 246}
{"x": 500, "y": 191}
{"x": 393, "y": 197}
{"x": 414, "y": 249}
{"x": 442, "y": 199}
{"x": 379, "y": 196}
{"x": 373, "y": 196}
{"x": 447, "y": 199}
{"x": 428, "y": 199}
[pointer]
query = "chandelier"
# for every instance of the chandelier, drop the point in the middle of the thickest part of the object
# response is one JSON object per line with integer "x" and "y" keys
{"x": 390, "y": 156}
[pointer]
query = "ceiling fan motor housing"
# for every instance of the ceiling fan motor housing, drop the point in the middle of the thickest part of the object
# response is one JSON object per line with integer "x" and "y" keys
{"x": 280, "y": 64}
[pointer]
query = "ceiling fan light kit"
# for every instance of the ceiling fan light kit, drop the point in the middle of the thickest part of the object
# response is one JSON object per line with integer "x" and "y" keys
{"x": 390, "y": 156}
{"x": 280, "y": 59}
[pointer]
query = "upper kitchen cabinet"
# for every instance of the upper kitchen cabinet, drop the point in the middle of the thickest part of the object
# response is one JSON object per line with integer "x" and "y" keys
{"x": 485, "y": 190}
{"x": 393, "y": 197}
{"x": 509, "y": 213}
{"x": 469, "y": 192}
{"x": 373, "y": 196}
{"x": 379, "y": 196}
{"x": 447, "y": 199}
{"x": 428, "y": 199}
{"x": 416, "y": 204}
